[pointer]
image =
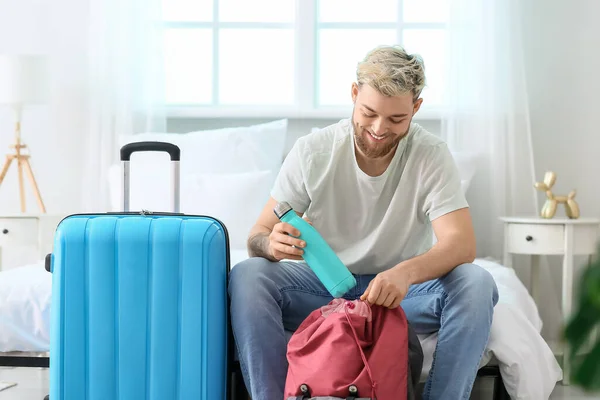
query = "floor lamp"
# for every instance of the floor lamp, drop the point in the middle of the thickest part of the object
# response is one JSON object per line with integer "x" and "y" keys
{"x": 23, "y": 82}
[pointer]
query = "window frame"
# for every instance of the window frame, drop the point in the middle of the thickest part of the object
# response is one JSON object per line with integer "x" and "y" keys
{"x": 306, "y": 28}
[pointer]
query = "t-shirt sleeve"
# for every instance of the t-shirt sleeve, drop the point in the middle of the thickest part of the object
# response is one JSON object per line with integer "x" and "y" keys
{"x": 290, "y": 184}
{"x": 441, "y": 184}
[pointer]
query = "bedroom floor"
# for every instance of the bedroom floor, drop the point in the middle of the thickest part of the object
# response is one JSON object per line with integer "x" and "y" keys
{"x": 32, "y": 384}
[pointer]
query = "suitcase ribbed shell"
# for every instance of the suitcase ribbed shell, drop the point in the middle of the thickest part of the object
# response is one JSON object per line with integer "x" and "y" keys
{"x": 139, "y": 308}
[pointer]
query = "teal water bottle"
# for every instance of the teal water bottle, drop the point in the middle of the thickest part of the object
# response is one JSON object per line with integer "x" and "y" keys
{"x": 319, "y": 256}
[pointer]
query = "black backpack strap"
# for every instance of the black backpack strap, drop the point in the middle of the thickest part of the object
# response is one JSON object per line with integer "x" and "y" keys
{"x": 415, "y": 357}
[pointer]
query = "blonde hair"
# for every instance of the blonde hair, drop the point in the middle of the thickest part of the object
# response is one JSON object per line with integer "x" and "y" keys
{"x": 392, "y": 71}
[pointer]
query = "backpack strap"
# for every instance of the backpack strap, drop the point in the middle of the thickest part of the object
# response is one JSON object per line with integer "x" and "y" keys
{"x": 362, "y": 354}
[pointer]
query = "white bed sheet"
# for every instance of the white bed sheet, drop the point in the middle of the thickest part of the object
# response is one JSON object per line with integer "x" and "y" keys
{"x": 528, "y": 367}
{"x": 25, "y": 294}
{"x": 526, "y": 362}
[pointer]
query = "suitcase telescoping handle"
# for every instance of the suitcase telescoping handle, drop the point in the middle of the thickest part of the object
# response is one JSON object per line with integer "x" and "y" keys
{"x": 174, "y": 153}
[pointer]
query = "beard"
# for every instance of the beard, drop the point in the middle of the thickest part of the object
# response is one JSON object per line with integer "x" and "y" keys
{"x": 373, "y": 149}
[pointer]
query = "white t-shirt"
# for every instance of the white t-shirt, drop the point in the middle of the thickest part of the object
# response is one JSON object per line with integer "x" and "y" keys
{"x": 372, "y": 223}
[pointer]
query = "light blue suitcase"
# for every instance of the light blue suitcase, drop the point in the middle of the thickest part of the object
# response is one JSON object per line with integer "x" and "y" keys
{"x": 139, "y": 303}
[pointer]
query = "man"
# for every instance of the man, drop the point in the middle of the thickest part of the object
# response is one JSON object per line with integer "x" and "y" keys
{"x": 376, "y": 186}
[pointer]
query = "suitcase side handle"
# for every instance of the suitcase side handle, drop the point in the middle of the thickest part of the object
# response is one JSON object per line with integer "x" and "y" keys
{"x": 48, "y": 262}
{"x": 130, "y": 148}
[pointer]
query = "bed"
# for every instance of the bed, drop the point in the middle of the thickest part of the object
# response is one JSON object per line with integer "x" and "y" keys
{"x": 25, "y": 294}
{"x": 528, "y": 367}
{"x": 245, "y": 160}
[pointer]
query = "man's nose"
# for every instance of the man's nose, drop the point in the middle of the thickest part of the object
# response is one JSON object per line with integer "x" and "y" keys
{"x": 379, "y": 127}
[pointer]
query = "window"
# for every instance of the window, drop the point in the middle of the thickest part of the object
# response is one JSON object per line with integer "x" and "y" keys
{"x": 290, "y": 57}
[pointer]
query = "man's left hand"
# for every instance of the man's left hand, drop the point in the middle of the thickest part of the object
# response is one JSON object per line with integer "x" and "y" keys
{"x": 388, "y": 288}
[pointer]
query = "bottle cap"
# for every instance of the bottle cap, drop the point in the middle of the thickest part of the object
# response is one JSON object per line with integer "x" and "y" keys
{"x": 281, "y": 209}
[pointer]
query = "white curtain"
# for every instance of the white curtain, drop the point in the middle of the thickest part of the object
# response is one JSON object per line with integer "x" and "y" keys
{"x": 488, "y": 113}
{"x": 125, "y": 82}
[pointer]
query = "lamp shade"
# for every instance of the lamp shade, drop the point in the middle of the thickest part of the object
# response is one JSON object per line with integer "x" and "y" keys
{"x": 23, "y": 79}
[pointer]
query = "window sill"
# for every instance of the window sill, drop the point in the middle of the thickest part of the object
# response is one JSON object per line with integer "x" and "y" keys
{"x": 269, "y": 112}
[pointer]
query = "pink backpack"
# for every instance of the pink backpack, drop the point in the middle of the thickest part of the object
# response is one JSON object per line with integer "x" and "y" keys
{"x": 350, "y": 350}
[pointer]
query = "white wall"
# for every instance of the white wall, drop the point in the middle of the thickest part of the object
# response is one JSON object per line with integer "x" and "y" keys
{"x": 54, "y": 132}
{"x": 563, "y": 71}
{"x": 562, "y": 43}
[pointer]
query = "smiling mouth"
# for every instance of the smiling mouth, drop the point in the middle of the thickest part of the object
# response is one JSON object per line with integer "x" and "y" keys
{"x": 375, "y": 137}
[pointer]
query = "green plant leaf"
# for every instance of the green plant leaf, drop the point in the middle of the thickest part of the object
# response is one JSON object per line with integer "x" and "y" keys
{"x": 586, "y": 315}
{"x": 587, "y": 373}
{"x": 580, "y": 327}
{"x": 585, "y": 318}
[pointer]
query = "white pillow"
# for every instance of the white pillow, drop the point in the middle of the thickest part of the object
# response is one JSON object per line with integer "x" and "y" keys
{"x": 467, "y": 166}
{"x": 235, "y": 199}
{"x": 228, "y": 150}
{"x": 464, "y": 185}
{"x": 149, "y": 190}
{"x": 239, "y": 149}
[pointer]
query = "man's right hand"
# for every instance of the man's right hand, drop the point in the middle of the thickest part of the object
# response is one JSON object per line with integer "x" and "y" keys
{"x": 283, "y": 244}
{"x": 273, "y": 239}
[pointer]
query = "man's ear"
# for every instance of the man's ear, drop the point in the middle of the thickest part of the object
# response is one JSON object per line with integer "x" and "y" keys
{"x": 417, "y": 105}
{"x": 354, "y": 91}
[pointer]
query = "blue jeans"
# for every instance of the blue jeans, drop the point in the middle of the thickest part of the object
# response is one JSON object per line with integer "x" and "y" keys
{"x": 269, "y": 298}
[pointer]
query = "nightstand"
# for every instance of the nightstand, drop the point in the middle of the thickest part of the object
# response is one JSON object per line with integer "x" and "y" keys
{"x": 557, "y": 236}
{"x": 26, "y": 238}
